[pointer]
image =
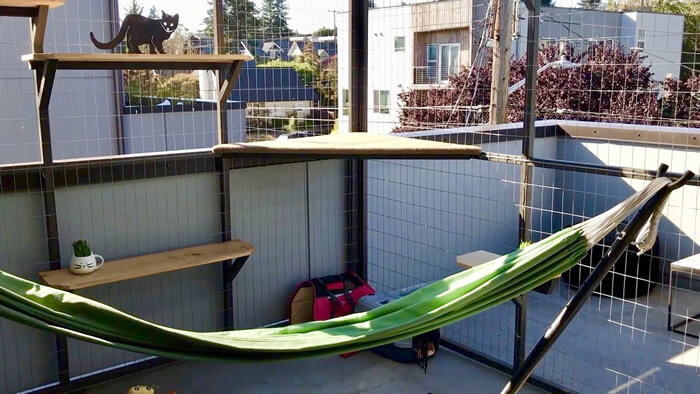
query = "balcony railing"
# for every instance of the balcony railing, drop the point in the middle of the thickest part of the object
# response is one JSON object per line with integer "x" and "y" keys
{"x": 425, "y": 75}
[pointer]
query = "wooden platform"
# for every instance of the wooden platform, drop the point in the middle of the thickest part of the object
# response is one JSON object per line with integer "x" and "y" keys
{"x": 351, "y": 145}
{"x": 31, "y": 3}
{"x": 105, "y": 61}
{"x": 473, "y": 259}
{"x": 146, "y": 265}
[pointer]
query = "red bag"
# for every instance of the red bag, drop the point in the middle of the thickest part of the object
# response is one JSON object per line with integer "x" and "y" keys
{"x": 327, "y": 297}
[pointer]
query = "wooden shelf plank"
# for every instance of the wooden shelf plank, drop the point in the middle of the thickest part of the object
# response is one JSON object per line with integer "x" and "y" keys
{"x": 106, "y": 61}
{"x": 474, "y": 259}
{"x": 351, "y": 145}
{"x": 31, "y": 3}
{"x": 146, "y": 265}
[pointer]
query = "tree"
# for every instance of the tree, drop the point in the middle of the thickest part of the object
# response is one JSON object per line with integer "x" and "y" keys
{"x": 324, "y": 32}
{"x": 133, "y": 8}
{"x": 239, "y": 18}
{"x": 326, "y": 84}
{"x": 273, "y": 19}
{"x": 681, "y": 101}
{"x": 153, "y": 13}
{"x": 611, "y": 85}
{"x": 589, "y": 4}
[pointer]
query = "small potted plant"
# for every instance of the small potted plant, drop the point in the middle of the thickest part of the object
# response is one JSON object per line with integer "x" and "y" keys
{"x": 84, "y": 261}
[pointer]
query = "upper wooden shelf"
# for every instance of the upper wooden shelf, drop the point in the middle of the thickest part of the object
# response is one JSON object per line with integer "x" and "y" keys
{"x": 146, "y": 265}
{"x": 31, "y": 3}
{"x": 108, "y": 61}
{"x": 351, "y": 146}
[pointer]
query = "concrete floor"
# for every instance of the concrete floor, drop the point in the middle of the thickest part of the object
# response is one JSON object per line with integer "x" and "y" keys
{"x": 613, "y": 345}
{"x": 365, "y": 372}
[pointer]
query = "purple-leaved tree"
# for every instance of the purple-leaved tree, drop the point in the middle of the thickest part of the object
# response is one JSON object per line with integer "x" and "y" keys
{"x": 612, "y": 85}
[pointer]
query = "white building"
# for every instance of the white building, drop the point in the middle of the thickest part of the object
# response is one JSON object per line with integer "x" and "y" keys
{"x": 658, "y": 36}
{"x": 420, "y": 45}
{"x": 410, "y": 46}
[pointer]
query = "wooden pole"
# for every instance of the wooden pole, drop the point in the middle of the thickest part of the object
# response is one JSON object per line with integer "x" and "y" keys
{"x": 500, "y": 70}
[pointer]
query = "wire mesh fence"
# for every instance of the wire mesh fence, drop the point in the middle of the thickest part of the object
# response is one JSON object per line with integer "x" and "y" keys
{"x": 617, "y": 94}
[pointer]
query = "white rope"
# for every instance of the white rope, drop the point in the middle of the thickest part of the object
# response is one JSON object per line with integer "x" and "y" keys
{"x": 595, "y": 229}
{"x": 647, "y": 235}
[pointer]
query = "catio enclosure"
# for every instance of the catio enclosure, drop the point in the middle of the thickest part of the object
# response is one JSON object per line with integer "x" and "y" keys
{"x": 118, "y": 151}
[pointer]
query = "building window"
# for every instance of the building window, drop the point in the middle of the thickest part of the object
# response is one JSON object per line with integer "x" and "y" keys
{"x": 641, "y": 39}
{"x": 399, "y": 44}
{"x": 381, "y": 101}
{"x": 432, "y": 53}
{"x": 449, "y": 61}
{"x": 346, "y": 102}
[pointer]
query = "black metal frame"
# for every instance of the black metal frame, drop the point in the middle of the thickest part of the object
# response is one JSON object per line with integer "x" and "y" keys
{"x": 48, "y": 175}
{"x": 683, "y": 323}
{"x": 359, "y": 77}
{"x": 586, "y": 289}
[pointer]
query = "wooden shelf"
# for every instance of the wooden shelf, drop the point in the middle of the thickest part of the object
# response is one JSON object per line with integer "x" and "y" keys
{"x": 109, "y": 61}
{"x": 151, "y": 264}
{"x": 31, "y": 3}
{"x": 351, "y": 145}
{"x": 474, "y": 259}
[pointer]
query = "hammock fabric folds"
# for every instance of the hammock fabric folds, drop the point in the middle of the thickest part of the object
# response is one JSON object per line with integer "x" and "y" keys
{"x": 435, "y": 305}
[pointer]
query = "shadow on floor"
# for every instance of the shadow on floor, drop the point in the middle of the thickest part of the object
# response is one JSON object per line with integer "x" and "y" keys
{"x": 362, "y": 373}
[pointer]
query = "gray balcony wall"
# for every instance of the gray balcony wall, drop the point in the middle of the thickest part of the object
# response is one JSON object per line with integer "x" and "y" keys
{"x": 590, "y": 194}
{"x": 292, "y": 213}
{"x": 83, "y": 107}
{"x": 422, "y": 214}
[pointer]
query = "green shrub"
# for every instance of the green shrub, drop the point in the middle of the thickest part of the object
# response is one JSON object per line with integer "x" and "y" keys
{"x": 81, "y": 248}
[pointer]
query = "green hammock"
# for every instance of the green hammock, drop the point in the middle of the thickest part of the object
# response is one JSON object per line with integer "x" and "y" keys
{"x": 435, "y": 305}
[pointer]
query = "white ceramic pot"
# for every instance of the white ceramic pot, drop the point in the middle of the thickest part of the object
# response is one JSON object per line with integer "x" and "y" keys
{"x": 85, "y": 265}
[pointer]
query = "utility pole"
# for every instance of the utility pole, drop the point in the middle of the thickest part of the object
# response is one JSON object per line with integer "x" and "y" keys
{"x": 500, "y": 69}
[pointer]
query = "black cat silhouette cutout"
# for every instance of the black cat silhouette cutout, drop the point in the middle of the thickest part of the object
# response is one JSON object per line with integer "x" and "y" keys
{"x": 139, "y": 30}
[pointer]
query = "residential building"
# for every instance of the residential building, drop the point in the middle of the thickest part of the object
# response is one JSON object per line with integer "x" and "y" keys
{"x": 410, "y": 46}
{"x": 276, "y": 90}
{"x": 659, "y": 37}
{"x": 420, "y": 45}
{"x": 324, "y": 47}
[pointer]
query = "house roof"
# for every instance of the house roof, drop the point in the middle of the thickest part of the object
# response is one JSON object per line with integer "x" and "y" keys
{"x": 268, "y": 84}
{"x": 270, "y": 45}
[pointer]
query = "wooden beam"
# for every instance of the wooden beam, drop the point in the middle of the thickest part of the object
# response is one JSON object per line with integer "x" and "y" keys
{"x": 229, "y": 81}
{"x": 500, "y": 71}
{"x": 46, "y": 77}
{"x": 38, "y": 28}
{"x": 107, "y": 61}
{"x": 32, "y": 3}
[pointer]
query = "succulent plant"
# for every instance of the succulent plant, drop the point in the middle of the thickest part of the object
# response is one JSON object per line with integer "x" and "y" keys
{"x": 81, "y": 248}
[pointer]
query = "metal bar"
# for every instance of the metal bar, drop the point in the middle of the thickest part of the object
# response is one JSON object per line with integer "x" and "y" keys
{"x": 359, "y": 25}
{"x": 533, "y": 33}
{"x": 590, "y": 284}
{"x": 674, "y": 327}
{"x": 230, "y": 273}
{"x": 359, "y": 44}
{"x": 117, "y": 82}
{"x": 18, "y": 12}
{"x": 44, "y": 78}
{"x": 520, "y": 329}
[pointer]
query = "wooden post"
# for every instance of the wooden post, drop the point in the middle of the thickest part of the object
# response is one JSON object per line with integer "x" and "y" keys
{"x": 500, "y": 70}
{"x": 220, "y": 48}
